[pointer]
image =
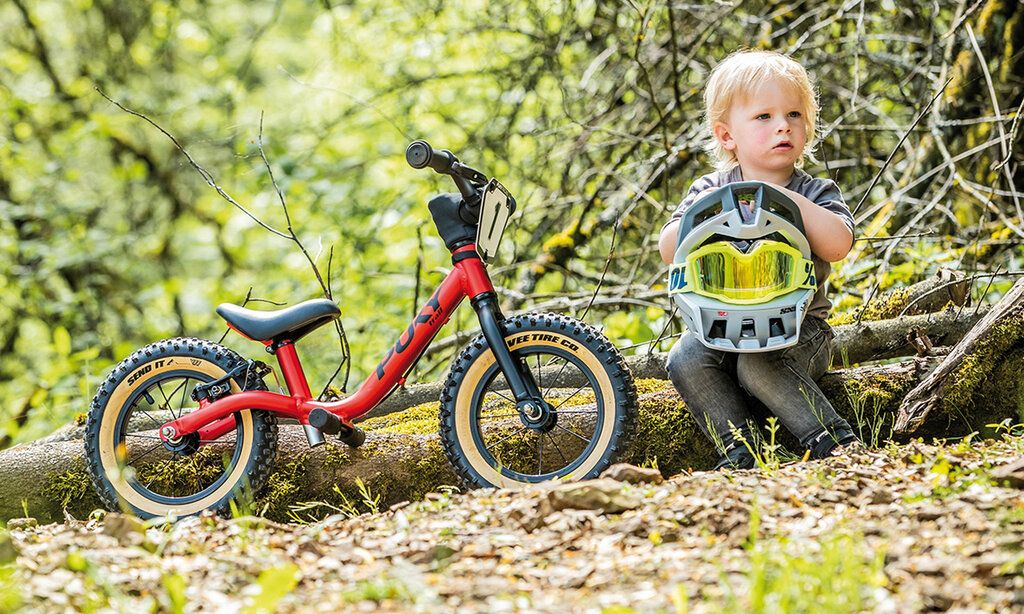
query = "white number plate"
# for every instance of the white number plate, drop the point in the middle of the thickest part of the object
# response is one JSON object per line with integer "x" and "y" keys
{"x": 495, "y": 208}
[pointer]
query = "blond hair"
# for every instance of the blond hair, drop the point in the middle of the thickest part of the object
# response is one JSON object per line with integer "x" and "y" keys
{"x": 741, "y": 74}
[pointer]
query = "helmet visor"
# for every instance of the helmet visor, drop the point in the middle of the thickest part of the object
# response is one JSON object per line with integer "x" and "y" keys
{"x": 719, "y": 270}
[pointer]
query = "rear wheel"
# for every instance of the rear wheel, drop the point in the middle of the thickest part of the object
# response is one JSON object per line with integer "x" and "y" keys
{"x": 134, "y": 470}
{"x": 586, "y": 421}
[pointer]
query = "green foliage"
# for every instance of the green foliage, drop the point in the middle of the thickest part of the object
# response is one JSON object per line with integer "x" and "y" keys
{"x": 948, "y": 477}
{"x": 826, "y": 579}
{"x": 274, "y": 584}
{"x": 767, "y": 452}
{"x": 66, "y": 487}
{"x": 379, "y": 590}
{"x": 835, "y": 574}
{"x": 10, "y": 593}
{"x": 174, "y": 586}
{"x": 101, "y": 593}
{"x": 874, "y": 427}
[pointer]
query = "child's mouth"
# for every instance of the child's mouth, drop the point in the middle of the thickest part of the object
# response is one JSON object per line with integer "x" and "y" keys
{"x": 783, "y": 146}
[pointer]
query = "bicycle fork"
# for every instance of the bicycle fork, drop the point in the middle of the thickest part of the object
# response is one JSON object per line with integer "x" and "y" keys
{"x": 529, "y": 399}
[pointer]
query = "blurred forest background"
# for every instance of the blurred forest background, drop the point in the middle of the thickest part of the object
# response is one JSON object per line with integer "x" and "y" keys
{"x": 590, "y": 112}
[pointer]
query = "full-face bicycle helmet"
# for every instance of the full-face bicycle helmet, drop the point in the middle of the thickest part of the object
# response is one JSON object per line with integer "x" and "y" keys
{"x": 743, "y": 276}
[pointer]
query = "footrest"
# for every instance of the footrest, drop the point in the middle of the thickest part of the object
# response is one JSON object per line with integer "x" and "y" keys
{"x": 325, "y": 421}
{"x": 352, "y": 437}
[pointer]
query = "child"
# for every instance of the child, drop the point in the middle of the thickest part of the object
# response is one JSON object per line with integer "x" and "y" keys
{"x": 761, "y": 112}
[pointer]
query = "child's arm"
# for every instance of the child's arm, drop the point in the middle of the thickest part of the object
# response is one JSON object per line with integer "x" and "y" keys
{"x": 828, "y": 234}
{"x": 668, "y": 241}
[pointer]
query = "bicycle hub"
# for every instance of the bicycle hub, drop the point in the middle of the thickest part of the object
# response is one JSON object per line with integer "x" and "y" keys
{"x": 532, "y": 411}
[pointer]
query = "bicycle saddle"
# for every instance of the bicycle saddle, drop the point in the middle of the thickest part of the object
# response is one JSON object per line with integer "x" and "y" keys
{"x": 289, "y": 323}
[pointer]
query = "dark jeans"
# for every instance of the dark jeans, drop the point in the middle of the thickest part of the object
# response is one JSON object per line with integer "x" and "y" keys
{"x": 715, "y": 385}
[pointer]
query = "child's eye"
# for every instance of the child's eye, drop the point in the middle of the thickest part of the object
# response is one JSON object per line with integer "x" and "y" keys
{"x": 763, "y": 116}
{"x": 795, "y": 114}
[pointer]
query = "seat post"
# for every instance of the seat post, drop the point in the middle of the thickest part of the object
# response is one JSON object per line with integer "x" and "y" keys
{"x": 295, "y": 379}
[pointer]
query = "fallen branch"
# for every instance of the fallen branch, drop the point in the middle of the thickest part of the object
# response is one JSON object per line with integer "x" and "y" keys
{"x": 969, "y": 361}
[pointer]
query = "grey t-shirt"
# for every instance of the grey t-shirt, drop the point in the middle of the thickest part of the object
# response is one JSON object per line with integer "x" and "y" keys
{"x": 823, "y": 192}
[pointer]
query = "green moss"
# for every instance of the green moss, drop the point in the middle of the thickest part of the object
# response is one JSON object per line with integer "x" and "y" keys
{"x": 1013, "y": 32}
{"x": 323, "y": 476}
{"x": 423, "y": 419}
{"x": 964, "y": 81}
{"x": 285, "y": 488}
{"x": 889, "y": 305}
{"x": 667, "y": 435}
{"x": 841, "y": 319}
{"x": 190, "y": 474}
{"x": 990, "y": 352}
{"x": 559, "y": 248}
{"x": 418, "y": 420}
{"x": 868, "y": 399}
{"x": 1001, "y": 395}
{"x": 559, "y": 243}
{"x": 401, "y": 478}
{"x": 67, "y": 487}
{"x": 867, "y": 387}
{"x": 650, "y": 385}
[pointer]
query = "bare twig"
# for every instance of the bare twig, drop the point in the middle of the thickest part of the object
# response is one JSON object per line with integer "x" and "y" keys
{"x": 896, "y": 237}
{"x": 290, "y": 234}
{"x": 888, "y": 160}
{"x": 324, "y": 287}
{"x": 207, "y": 177}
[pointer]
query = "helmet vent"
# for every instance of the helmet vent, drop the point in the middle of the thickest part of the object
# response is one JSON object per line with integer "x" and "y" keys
{"x": 747, "y": 329}
{"x": 708, "y": 213}
{"x": 775, "y": 328}
{"x": 779, "y": 210}
{"x": 717, "y": 330}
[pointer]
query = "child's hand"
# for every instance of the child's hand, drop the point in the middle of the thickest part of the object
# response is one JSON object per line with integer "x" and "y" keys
{"x": 827, "y": 233}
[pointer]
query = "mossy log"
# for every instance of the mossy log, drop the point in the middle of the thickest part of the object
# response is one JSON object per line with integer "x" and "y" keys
{"x": 402, "y": 458}
{"x": 950, "y": 386}
{"x": 946, "y": 287}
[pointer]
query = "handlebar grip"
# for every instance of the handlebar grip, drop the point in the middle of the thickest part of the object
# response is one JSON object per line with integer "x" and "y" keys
{"x": 421, "y": 155}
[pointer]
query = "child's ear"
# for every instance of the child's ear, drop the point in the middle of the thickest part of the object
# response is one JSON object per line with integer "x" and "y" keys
{"x": 723, "y": 135}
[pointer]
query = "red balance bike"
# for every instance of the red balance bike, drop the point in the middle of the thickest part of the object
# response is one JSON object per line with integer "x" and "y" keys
{"x": 534, "y": 397}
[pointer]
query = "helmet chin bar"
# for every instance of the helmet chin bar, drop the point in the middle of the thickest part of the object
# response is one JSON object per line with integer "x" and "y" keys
{"x": 745, "y": 211}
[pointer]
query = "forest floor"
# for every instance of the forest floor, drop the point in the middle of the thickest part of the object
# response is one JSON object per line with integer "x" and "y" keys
{"x": 904, "y": 528}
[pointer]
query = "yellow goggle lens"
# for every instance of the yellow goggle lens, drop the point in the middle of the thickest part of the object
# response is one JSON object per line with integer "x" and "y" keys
{"x": 721, "y": 271}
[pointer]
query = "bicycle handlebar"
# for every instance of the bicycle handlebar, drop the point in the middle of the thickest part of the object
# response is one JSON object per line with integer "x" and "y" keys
{"x": 421, "y": 155}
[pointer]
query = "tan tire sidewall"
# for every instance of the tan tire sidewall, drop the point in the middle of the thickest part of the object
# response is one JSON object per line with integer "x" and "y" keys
{"x": 108, "y": 453}
{"x": 474, "y": 376}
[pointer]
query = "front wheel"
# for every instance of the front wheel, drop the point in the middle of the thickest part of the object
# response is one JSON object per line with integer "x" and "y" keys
{"x": 134, "y": 470}
{"x": 587, "y": 418}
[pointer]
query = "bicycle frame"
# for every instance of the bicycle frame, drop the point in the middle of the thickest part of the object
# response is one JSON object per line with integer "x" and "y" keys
{"x": 468, "y": 278}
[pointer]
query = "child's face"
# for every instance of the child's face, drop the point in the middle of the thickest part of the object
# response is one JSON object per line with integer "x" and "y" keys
{"x": 765, "y": 129}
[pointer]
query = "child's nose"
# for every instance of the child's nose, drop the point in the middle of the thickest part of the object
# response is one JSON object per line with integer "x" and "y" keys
{"x": 783, "y": 126}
